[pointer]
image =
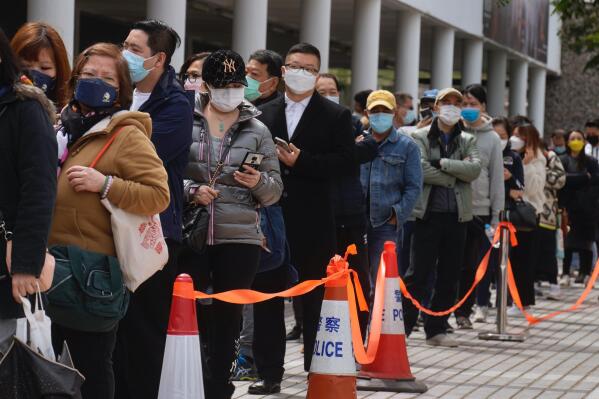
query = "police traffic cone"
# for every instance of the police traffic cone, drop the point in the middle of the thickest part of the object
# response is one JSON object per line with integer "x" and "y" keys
{"x": 390, "y": 370}
{"x": 333, "y": 369}
{"x": 181, "y": 376}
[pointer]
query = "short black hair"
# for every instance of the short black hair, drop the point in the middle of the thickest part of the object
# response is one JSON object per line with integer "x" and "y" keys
{"x": 330, "y": 76}
{"x": 161, "y": 37}
{"x": 305, "y": 48}
{"x": 361, "y": 97}
{"x": 9, "y": 65}
{"x": 519, "y": 120}
{"x": 502, "y": 120}
{"x": 401, "y": 98}
{"x": 477, "y": 91}
{"x": 592, "y": 123}
{"x": 190, "y": 60}
{"x": 271, "y": 59}
{"x": 558, "y": 132}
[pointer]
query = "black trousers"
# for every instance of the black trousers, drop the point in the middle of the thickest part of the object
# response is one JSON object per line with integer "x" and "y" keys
{"x": 475, "y": 241}
{"x": 523, "y": 258}
{"x": 224, "y": 267}
{"x": 586, "y": 260}
{"x": 546, "y": 265}
{"x": 347, "y": 235}
{"x": 92, "y": 356}
{"x": 437, "y": 244}
{"x": 269, "y": 325}
{"x": 142, "y": 333}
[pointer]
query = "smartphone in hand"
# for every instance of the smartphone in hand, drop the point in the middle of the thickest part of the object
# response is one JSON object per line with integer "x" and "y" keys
{"x": 283, "y": 144}
{"x": 253, "y": 159}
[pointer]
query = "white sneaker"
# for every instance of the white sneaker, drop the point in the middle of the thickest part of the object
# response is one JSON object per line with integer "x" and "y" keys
{"x": 564, "y": 281}
{"x": 480, "y": 315}
{"x": 514, "y": 311}
{"x": 442, "y": 340}
{"x": 555, "y": 293}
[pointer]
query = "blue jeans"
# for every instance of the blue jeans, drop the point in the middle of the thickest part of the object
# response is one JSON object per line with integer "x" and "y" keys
{"x": 376, "y": 242}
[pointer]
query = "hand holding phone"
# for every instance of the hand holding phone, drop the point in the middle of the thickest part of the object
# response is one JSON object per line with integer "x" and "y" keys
{"x": 252, "y": 159}
{"x": 283, "y": 144}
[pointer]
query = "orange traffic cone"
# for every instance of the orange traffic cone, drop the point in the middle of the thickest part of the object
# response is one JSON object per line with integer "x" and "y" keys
{"x": 390, "y": 370}
{"x": 181, "y": 376}
{"x": 333, "y": 369}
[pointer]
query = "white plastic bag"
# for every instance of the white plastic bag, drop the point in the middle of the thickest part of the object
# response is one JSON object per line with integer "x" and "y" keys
{"x": 39, "y": 327}
{"x": 140, "y": 245}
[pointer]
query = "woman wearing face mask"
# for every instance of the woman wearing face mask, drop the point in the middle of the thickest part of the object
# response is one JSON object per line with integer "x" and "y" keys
{"x": 227, "y": 132}
{"x": 487, "y": 192}
{"x": 44, "y": 57}
{"x": 129, "y": 174}
{"x": 580, "y": 197}
{"x": 190, "y": 73}
{"x": 327, "y": 86}
{"x": 527, "y": 142}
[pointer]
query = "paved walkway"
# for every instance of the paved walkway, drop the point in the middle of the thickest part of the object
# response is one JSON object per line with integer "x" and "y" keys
{"x": 559, "y": 359}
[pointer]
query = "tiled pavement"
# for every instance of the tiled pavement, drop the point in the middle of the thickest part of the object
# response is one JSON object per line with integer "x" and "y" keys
{"x": 559, "y": 359}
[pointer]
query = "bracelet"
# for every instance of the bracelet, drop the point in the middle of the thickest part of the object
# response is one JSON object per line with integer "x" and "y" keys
{"x": 109, "y": 180}
{"x": 106, "y": 179}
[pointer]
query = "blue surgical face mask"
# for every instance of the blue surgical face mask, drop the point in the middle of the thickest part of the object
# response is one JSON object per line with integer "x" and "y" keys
{"x": 42, "y": 81}
{"x": 410, "y": 117}
{"x": 252, "y": 91}
{"x": 136, "y": 66}
{"x": 560, "y": 149}
{"x": 95, "y": 93}
{"x": 380, "y": 122}
{"x": 470, "y": 114}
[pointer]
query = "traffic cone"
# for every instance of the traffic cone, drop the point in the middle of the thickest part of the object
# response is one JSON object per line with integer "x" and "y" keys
{"x": 333, "y": 368}
{"x": 390, "y": 370}
{"x": 181, "y": 376}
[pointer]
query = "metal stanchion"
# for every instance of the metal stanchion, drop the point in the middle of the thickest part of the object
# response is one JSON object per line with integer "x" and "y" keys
{"x": 501, "y": 334}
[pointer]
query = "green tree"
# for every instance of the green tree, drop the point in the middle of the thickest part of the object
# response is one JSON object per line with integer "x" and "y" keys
{"x": 580, "y": 27}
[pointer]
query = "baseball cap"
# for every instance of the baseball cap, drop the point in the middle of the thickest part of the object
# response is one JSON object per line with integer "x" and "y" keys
{"x": 450, "y": 91}
{"x": 223, "y": 67}
{"x": 381, "y": 97}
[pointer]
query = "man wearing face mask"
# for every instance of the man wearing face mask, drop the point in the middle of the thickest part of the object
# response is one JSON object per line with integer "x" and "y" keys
{"x": 392, "y": 182}
{"x": 320, "y": 149}
{"x": 591, "y": 132}
{"x": 558, "y": 141}
{"x": 142, "y": 333}
{"x": 263, "y": 74}
{"x": 405, "y": 114}
{"x": 450, "y": 162}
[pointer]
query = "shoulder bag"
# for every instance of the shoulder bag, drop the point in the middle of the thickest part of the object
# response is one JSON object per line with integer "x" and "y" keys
{"x": 522, "y": 215}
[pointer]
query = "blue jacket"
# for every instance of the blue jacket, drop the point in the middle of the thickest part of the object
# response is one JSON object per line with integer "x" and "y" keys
{"x": 392, "y": 182}
{"x": 172, "y": 122}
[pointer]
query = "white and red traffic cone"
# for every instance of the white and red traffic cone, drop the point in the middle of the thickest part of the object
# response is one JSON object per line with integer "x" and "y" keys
{"x": 181, "y": 376}
{"x": 390, "y": 370}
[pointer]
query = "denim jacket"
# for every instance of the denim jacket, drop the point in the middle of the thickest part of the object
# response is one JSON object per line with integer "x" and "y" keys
{"x": 393, "y": 180}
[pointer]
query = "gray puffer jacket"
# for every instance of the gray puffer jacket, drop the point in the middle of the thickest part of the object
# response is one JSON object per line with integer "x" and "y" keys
{"x": 234, "y": 214}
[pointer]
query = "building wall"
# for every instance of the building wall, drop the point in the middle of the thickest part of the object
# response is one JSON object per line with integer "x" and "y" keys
{"x": 572, "y": 98}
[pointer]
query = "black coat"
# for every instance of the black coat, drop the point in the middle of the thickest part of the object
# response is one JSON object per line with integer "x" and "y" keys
{"x": 28, "y": 161}
{"x": 324, "y": 136}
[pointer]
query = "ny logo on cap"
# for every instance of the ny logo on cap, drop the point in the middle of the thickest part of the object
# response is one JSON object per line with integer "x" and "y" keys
{"x": 229, "y": 65}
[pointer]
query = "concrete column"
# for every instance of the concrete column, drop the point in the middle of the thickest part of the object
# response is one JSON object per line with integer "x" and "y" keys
{"x": 442, "y": 62}
{"x": 365, "y": 51}
{"x": 536, "y": 97}
{"x": 407, "y": 54}
{"x": 250, "y": 19}
{"x": 174, "y": 14}
{"x": 472, "y": 61}
{"x": 315, "y": 28}
{"x": 60, "y": 14}
{"x": 518, "y": 86}
{"x": 496, "y": 77}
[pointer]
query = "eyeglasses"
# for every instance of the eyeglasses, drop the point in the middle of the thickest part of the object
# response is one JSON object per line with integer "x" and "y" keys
{"x": 192, "y": 77}
{"x": 305, "y": 70}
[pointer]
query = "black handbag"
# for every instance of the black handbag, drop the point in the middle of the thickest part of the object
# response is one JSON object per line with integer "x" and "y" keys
{"x": 522, "y": 215}
{"x": 196, "y": 218}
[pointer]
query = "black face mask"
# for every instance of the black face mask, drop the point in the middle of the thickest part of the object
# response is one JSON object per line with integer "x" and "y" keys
{"x": 593, "y": 140}
{"x": 76, "y": 124}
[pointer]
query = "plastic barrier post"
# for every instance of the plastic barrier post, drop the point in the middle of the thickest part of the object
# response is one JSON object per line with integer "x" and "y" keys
{"x": 390, "y": 370}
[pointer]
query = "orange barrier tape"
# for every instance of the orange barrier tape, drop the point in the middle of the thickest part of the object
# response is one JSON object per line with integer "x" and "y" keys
{"x": 480, "y": 274}
{"x": 338, "y": 268}
{"x": 511, "y": 281}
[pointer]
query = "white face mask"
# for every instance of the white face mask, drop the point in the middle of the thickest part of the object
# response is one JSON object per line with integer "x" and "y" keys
{"x": 517, "y": 143}
{"x": 450, "y": 114}
{"x": 334, "y": 99}
{"x": 503, "y": 144}
{"x": 299, "y": 81}
{"x": 226, "y": 100}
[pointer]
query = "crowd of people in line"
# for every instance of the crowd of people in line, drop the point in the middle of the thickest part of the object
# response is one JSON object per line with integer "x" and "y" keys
{"x": 285, "y": 176}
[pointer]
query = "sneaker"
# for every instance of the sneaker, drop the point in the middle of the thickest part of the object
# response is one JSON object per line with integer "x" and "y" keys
{"x": 463, "y": 323}
{"x": 564, "y": 281}
{"x": 555, "y": 293}
{"x": 244, "y": 369}
{"x": 513, "y": 311}
{"x": 442, "y": 340}
{"x": 481, "y": 313}
{"x": 580, "y": 279}
{"x": 449, "y": 328}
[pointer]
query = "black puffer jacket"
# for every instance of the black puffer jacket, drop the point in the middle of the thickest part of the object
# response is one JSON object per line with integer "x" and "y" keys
{"x": 28, "y": 161}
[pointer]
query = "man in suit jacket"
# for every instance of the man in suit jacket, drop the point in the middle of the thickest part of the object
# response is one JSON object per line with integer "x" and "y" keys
{"x": 321, "y": 148}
